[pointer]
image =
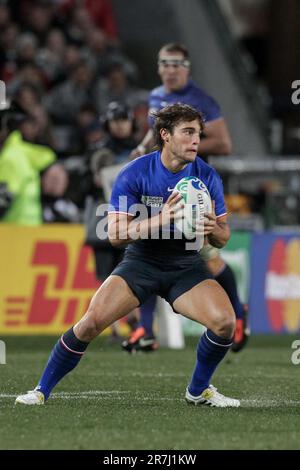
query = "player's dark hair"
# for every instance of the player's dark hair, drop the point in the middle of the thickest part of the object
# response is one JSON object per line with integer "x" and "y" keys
{"x": 172, "y": 115}
{"x": 175, "y": 47}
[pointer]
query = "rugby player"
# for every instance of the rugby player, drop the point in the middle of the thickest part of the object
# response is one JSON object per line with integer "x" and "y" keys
{"x": 156, "y": 260}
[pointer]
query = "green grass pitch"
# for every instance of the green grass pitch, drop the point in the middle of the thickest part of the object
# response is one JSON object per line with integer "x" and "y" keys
{"x": 117, "y": 401}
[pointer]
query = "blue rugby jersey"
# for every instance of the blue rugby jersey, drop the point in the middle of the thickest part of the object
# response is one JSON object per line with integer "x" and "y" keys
{"x": 147, "y": 182}
{"x": 190, "y": 94}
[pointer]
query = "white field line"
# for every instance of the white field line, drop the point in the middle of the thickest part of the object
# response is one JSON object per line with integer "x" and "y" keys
{"x": 141, "y": 397}
{"x": 96, "y": 394}
{"x": 85, "y": 394}
{"x": 139, "y": 374}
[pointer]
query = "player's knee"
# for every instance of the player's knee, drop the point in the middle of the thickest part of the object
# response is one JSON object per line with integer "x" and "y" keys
{"x": 90, "y": 325}
{"x": 86, "y": 329}
{"x": 224, "y": 325}
{"x": 95, "y": 320}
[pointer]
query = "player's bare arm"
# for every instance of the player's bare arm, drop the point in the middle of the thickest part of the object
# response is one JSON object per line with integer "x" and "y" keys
{"x": 122, "y": 228}
{"x": 216, "y": 229}
{"x": 219, "y": 230}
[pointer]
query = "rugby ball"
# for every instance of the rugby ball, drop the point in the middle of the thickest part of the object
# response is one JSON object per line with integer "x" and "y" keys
{"x": 197, "y": 202}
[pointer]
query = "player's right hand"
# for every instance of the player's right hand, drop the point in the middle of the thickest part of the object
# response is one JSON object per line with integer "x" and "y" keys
{"x": 172, "y": 209}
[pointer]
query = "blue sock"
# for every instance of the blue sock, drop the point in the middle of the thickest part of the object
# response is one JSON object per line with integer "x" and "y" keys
{"x": 227, "y": 280}
{"x": 210, "y": 352}
{"x": 147, "y": 315}
{"x": 64, "y": 357}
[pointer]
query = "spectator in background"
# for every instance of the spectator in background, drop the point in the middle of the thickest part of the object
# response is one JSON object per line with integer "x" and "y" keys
{"x": 65, "y": 100}
{"x": 78, "y": 25}
{"x": 8, "y": 53}
{"x": 120, "y": 125}
{"x": 64, "y": 49}
{"x": 102, "y": 145}
{"x": 72, "y": 58}
{"x": 5, "y": 16}
{"x": 39, "y": 18}
{"x": 86, "y": 116}
{"x": 102, "y": 55}
{"x": 116, "y": 87}
{"x": 28, "y": 73}
{"x": 93, "y": 135}
{"x": 100, "y": 12}
{"x": 29, "y": 99}
{"x": 27, "y": 47}
{"x": 51, "y": 57}
{"x": 80, "y": 170}
{"x": 21, "y": 163}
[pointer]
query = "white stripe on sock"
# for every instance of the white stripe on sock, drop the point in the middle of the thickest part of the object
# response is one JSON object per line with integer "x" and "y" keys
{"x": 223, "y": 345}
{"x": 80, "y": 353}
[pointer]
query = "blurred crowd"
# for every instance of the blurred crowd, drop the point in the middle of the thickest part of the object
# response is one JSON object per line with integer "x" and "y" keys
{"x": 76, "y": 93}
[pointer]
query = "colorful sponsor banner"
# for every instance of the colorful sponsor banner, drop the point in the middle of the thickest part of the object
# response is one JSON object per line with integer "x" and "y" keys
{"x": 275, "y": 284}
{"x": 46, "y": 276}
{"x": 47, "y": 279}
{"x": 237, "y": 254}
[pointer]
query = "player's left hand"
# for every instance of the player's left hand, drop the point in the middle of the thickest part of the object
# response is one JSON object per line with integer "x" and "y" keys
{"x": 207, "y": 225}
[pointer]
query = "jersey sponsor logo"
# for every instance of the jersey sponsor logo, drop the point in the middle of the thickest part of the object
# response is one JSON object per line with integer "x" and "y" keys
{"x": 170, "y": 189}
{"x": 153, "y": 201}
{"x": 282, "y": 288}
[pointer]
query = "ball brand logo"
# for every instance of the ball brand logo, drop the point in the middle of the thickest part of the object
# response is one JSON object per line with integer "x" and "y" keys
{"x": 198, "y": 184}
{"x": 196, "y": 202}
{"x": 282, "y": 288}
{"x": 182, "y": 185}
